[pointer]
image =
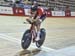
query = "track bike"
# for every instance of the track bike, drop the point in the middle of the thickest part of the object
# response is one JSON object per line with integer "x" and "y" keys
{"x": 30, "y": 35}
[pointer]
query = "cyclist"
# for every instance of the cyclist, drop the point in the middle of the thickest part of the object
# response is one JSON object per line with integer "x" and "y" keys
{"x": 37, "y": 15}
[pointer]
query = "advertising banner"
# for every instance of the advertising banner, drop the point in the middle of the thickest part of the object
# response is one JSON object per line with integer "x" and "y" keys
{"x": 18, "y": 11}
{"x": 58, "y": 13}
{"x": 6, "y": 10}
{"x": 72, "y": 13}
{"x": 49, "y": 13}
{"x": 67, "y": 13}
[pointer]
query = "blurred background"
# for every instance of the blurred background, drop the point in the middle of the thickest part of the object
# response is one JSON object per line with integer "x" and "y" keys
{"x": 54, "y": 5}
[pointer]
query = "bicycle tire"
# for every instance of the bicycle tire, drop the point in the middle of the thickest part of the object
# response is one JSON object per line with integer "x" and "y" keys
{"x": 42, "y": 38}
{"x": 26, "y": 39}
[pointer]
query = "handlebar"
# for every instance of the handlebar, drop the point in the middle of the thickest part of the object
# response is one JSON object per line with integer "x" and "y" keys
{"x": 28, "y": 22}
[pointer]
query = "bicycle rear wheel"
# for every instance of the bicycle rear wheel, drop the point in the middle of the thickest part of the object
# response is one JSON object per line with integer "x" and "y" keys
{"x": 42, "y": 38}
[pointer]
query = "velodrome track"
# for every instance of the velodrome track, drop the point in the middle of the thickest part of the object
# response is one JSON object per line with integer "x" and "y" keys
{"x": 60, "y": 38}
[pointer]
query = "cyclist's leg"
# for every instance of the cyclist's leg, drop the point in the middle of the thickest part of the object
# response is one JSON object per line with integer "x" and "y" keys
{"x": 38, "y": 31}
{"x": 38, "y": 24}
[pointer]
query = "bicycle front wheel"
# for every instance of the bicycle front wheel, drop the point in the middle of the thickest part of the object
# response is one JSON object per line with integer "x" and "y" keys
{"x": 26, "y": 39}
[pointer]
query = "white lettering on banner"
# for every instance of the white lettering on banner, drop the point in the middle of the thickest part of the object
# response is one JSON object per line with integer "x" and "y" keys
{"x": 16, "y": 10}
{"x": 27, "y": 11}
{"x": 48, "y": 13}
{"x": 19, "y": 11}
{"x": 72, "y": 13}
{"x": 58, "y": 13}
{"x": 6, "y": 10}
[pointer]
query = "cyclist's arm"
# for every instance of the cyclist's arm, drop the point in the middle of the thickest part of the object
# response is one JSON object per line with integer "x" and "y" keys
{"x": 30, "y": 15}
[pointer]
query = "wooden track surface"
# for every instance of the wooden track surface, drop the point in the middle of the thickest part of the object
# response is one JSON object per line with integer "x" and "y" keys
{"x": 60, "y": 31}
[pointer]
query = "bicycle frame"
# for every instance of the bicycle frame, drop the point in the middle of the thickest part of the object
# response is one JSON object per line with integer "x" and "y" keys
{"x": 33, "y": 31}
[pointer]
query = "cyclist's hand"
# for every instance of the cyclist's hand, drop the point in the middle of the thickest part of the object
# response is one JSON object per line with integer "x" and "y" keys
{"x": 29, "y": 20}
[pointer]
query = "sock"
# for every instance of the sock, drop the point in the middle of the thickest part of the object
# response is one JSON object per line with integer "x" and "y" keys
{"x": 38, "y": 34}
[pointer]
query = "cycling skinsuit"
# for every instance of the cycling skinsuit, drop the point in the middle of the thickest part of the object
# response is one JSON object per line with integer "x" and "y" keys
{"x": 41, "y": 13}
